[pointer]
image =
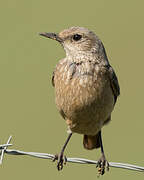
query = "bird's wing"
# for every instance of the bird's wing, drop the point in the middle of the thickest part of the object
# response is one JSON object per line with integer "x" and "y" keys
{"x": 114, "y": 83}
{"x": 58, "y": 66}
{"x": 112, "y": 76}
{"x": 53, "y": 78}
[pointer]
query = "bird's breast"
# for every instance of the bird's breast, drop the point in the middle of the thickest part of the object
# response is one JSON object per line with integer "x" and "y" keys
{"x": 82, "y": 92}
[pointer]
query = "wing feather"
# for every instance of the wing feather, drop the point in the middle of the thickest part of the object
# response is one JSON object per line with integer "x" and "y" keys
{"x": 114, "y": 83}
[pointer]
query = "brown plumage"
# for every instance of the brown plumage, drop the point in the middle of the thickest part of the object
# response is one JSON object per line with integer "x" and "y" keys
{"x": 91, "y": 142}
{"x": 86, "y": 86}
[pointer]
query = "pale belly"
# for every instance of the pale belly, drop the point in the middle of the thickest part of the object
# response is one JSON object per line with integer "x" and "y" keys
{"x": 85, "y": 102}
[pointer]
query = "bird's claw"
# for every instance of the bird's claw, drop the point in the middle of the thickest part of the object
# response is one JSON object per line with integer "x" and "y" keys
{"x": 61, "y": 159}
{"x": 55, "y": 158}
{"x": 102, "y": 164}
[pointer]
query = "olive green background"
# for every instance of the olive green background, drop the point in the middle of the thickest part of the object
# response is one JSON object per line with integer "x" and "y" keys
{"x": 27, "y": 108}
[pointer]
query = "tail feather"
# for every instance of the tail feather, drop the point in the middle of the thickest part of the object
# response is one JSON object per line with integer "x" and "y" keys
{"x": 91, "y": 142}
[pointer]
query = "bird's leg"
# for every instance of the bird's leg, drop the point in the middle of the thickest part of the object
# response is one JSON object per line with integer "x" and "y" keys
{"x": 102, "y": 162}
{"x": 60, "y": 157}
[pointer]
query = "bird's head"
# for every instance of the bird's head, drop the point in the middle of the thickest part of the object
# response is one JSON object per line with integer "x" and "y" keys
{"x": 76, "y": 41}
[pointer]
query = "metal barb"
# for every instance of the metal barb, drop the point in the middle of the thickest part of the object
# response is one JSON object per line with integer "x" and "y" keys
{"x": 4, "y": 149}
{"x": 5, "y": 145}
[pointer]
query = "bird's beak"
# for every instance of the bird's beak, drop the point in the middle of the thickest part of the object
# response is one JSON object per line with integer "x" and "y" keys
{"x": 52, "y": 36}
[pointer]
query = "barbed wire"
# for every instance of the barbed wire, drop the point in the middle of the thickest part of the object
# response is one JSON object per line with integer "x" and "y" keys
{"x": 4, "y": 150}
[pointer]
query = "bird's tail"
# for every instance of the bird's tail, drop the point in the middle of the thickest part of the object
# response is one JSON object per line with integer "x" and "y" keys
{"x": 91, "y": 142}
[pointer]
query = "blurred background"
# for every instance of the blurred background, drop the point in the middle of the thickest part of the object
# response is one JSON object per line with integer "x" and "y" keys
{"x": 27, "y": 108}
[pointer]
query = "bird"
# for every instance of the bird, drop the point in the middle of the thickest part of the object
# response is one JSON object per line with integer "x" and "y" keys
{"x": 86, "y": 89}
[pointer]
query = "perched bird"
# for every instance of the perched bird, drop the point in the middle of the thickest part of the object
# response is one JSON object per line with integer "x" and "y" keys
{"x": 86, "y": 88}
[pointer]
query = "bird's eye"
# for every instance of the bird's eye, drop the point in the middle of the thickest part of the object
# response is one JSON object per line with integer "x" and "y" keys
{"x": 77, "y": 37}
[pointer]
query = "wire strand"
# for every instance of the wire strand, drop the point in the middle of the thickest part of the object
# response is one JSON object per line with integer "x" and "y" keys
{"x": 72, "y": 160}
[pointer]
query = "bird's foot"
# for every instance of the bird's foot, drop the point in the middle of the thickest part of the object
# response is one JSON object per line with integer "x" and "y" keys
{"x": 61, "y": 159}
{"x": 102, "y": 164}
